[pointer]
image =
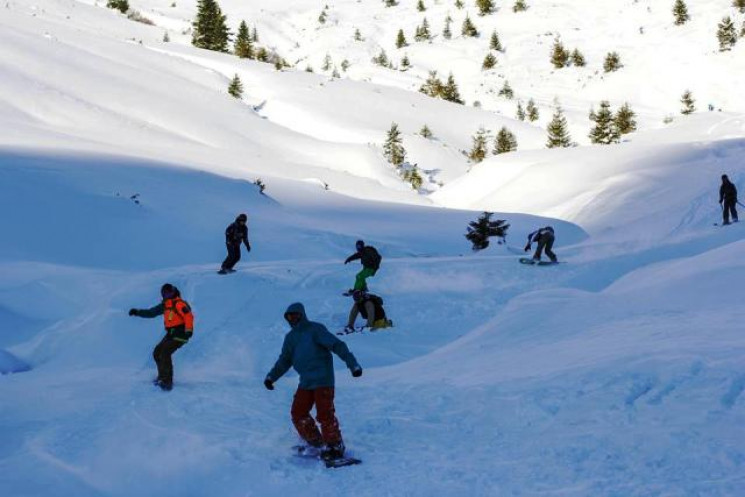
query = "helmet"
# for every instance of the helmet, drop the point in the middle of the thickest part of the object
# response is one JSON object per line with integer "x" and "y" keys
{"x": 360, "y": 244}
{"x": 725, "y": 178}
{"x": 242, "y": 217}
{"x": 168, "y": 291}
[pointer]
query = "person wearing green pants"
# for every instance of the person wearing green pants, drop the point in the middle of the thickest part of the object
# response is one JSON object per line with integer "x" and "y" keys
{"x": 370, "y": 259}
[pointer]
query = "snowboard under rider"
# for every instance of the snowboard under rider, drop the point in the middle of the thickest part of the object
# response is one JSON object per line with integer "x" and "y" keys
{"x": 371, "y": 308}
{"x": 235, "y": 234}
{"x": 179, "y": 324}
{"x": 728, "y": 200}
{"x": 307, "y": 348}
{"x": 370, "y": 259}
{"x": 545, "y": 239}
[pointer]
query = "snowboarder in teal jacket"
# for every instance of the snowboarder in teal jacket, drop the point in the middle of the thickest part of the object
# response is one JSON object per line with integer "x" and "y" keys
{"x": 307, "y": 348}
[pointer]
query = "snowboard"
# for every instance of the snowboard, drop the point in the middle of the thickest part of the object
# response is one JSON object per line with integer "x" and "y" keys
{"x": 360, "y": 329}
{"x": 307, "y": 452}
{"x": 531, "y": 262}
{"x": 226, "y": 271}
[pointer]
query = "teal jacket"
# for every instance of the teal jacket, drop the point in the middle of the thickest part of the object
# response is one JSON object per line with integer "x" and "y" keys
{"x": 307, "y": 348}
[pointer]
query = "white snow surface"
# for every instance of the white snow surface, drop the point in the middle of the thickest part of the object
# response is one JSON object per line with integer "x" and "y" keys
{"x": 618, "y": 373}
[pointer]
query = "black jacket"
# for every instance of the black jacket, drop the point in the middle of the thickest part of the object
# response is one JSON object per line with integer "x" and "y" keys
{"x": 376, "y": 301}
{"x": 727, "y": 192}
{"x": 368, "y": 256}
{"x": 237, "y": 233}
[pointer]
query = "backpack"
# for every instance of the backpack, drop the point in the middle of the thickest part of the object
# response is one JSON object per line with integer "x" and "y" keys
{"x": 375, "y": 258}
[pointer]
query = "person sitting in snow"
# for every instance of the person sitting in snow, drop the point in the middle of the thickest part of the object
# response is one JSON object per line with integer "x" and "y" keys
{"x": 370, "y": 259}
{"x": 235, "y": 234}
{"x": 179, "y": 323}
{"x": 728, "y": 200}
{"x": 545, "y": 239}
{"x": 307, "y": 347}
{"x": 371, "y": 308}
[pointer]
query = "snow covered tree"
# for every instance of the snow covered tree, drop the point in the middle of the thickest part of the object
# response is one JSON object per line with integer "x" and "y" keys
{"x": 447, "y": 33}
{"x": 393, "y": 148}
{"x": 506, "y": 91}
{"x": 262, "y": 55}
{"x": 425, "y": 132}
{"x": 420, "y": 6}
{"x": 401, "y": 39}
{"x": 726, "y": 34}
{"x": 558, "y": 132}
{"x": 689, "y": 104}
{"x": 345, "y": 65}
{"x": 210, "y": 28}
{"x": 166, "y": 38}
{"x": 559, "y": 55}
{"x": 405, "y": 62}
{"x": 120, "y": 5}
{"x": 450, "y": 91}
{"x": 483, "y": 228}
{"x": 235, "y": 88}
{"x": 358, "y": 35}
{"x": 391, "y": 3}
{"x": 459, "y": 4}
{"x": 578, "y": 59}
{"x": 520, "y": 6}
{"x": 422, "y": 32}
{"x": 680, "y": 13}
{"x": 489, "y": 62}
{"x": 327, "y": 63}
{"x": 334, "y": 73}
{"x": 485, "y": 7}
{"x": 479, "y": 148}
{"x": 532, "y": 111}
{"x": 255, "y": 35}
{"x": 604, "y": 132}
{"x": 505, "y": 141}
{"x": 381, "y": 59}
{"x": 494, "y": 42}
{"x": 433, "y": 86}
{"x": 625, "y": 120}
{"x": 322, "y": 17}
{"x": 742, "y": 30}
{"x": 469, "y": 29}
{"x": 520, "y": 114}
{"x": 739, "y": 5}
{"x": 413, "y": 177}
{"x": 612, "y": 62}
{"x": 243, "y": 46}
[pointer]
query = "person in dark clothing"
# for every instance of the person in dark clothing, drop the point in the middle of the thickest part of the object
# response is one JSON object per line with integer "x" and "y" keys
{"x": 370, "y": 259}
{"x": 179, "y": 323}
{"x": 545, "y": 239}
{"x": 235, "y": 234}
{"x": 307, "y": 348}
{"x": 371, "y": 308}
{"x": 728, "y": 200}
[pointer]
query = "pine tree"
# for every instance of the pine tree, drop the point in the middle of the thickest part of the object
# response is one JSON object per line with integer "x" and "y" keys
{"x": 612, "y": 62}
{"x": 243, "y": 47}
{"x": 391, "y": 3}
{"x": 450, "y": 91}
{"x": 505, "y": 141}
{"x": 344, "y": 65}
{"x": 393, "y": 147}
{"x": 479, "y": 231}
{"x": 401, "y": 39}
{"x": 532, "y": 110}
{"x": 739, "y": 5}
{"x": 688, "y": 103}
{"x": 422, "y": 32}
{"x": 166, "y": 38}
{"x": 604, "y": 132}
{"x": 459, "y": 4}
{"x": 625, "y": 120}
{"x": 446, "y": 32}
{"x": 558, "y": 132}
{"x": 485, "y": 7}
{"x": 520, "y": 6}
{"x": 335, "y": 73}
{"x": 322, "y": 17}
{"x": 680, "y": 13}
{"x": 506, "y": 91}
{"x": 120, "y": 5}
{"x": 578, "y": 59}
{"x": 494, "y": 42}
{"x": 478, "y": 149}
{"x": 425, "y": 132}
{"x": 420, "y": 6}
{"x": 726, "y": 35}
{"x": 520, "y": 114}
{"x": 742, "y": 30}
{"x": 433, "y": 86}
{"x": 559, "y": 55}
{"x": 405, "y": 62}
{"x": 358, "y": 35}
{"x": 235, "y": 88}
{"x": 381, "y": 59}
{"x": 255, "y": 35}
{"x": 327, "y": 63}
{"x": 489, "y": 61}
{"x": 469, "y": 29}
{"x": 413, "y": 177}
{"x": 262, "y": 55}
{"x": 210, "y": 28}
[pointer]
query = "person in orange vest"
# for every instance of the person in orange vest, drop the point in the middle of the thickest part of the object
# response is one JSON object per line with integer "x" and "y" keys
{"x": 179, "y": 323}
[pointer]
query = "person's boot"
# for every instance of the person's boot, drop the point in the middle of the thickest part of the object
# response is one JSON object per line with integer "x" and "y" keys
{"x": 166, "y": 385}
{"x": 333, "y": 451}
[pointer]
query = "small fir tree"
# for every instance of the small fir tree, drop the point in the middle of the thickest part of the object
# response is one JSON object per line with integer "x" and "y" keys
{"x": 425, "y": 132}
{"x": 335, "y": 73}
{"x": 447, "y": 33}
{"x": 604, "y": 132}
{"x": 450, "y": 91}
{"x": 625, "y": 120}
{"x": 459, "y": 4}
{"x": 494, "y": 42}
{"x": 422, "y": 32}
{"x": 726, "y": 34}
{"x": 413, "y": 177}
{"x": 358, "y": 35}
{"x": 243, "y": 46}
{"x": 612, "y": 62}
{"x": 558, "y": 131}
{"x": 578, "y": 59}
{"x": 120, "y": 5}
{"x": 235, "y": 88}
{"x": 742, "y": 30}
{"x": 393, "y": 148}
{"x": 506, "y": 91}
{"x": 469, "y": 29}
{"x": 420, "y": 6}
{"x": 391, "y": 3}
{"x": 489, "y": 62}
{"x": 345, "y": 65}
{"x": 479, "y": 148}
{"x": 381, "y": 59}
{"x": 680, "y": 13}
{"x": 520, "y": 114}
{"x": 166, "y": 38}
{"x": 505, "y": 141}
{"x": 262, "y": 54}
{"x": 255, "y": 35}
{"x": 433, "y": 86}
{"x": 739, "y": 5}
{"x": 520, "y": 6}
{"x": 485, "y": 7}
{"x": 401, "y": 39}
{"x": 479, "y": 231}
{"x": 532, "y": 111}
{"x": 559, "y": 55}
{"x": 322, "y": 17}
{"x": 405, "y": 63}
{"x": 210, "y": 30}
{"x": 327, "y": 63}
{"x": 689, "y": 104}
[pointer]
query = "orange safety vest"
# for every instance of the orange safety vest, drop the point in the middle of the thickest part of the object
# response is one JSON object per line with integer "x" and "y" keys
{"x": 177, "y": 313}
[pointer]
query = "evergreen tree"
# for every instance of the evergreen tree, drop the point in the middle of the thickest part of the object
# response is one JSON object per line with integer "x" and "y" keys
{"x": 726, "y": 35}
{"x": 483, "y": 228}
{"x": 391, "y": 3}
{"x": 322, "y": 17}
{"x": 558, "y": 132}
{"x": 680, "y": 13}
{"x": 335, "y": 73}
{"x": 739, "y": 5}
{"x": 405, "y": 62}
{"x": 393, "y": 147}
{"x": 559, "y": 55}
{"x": 494, "y": 42}
{"x": 520, "y": 114}
{"x": 422, "y": 32}
{"x": 327, "y": 63}
{"x": 520, "y": 6}
{"x": 459, "y": 4}
{"x": 381, "y": 59}
{"x": 469, "y": 29}
{"x": 489, "y": 61}
{"x": 425, "y": 132}
{"x": 120, "y": 5}
{"x": 485, "y": 7}
{"x": 413, "y": 177}
{"x": 450, "y": 91}
{"x": 506, "y": 91}
{"x": 243, "y": 47}
{"x": 210, "y": 28}
{"x": 604, "y": 132}
{"x": 532, "y": 110}
{"x": 505, "y": 141}
{"x": 625, "y": 120}
{"x": 255, "y": 35}
{"x": 742, "y": 30}
{"x": 345, "y": 65}
{"x": 446, "y": 32}
{"x": 478, "y": 149}
{"x": 235, "y": 88}
{"x": 401, "y": 39}
{"x": 166, "y": 38}
{"x": 688, "y": 103}
{"x": 262, "y": 55}
{"x": 420, "y": 6}
{"x": 433, "y": 86}
{"x": 578, "y": 59}
{"x": 358, "y": 35}
{"x": 612, "y": 62}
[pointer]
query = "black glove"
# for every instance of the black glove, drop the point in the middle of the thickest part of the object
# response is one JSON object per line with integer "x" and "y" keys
{"x": 269, "y": 384}
{"x": 248, "y": 247}
{"x": 527, "y": 248}
{"x": 357, "y": 372}
{"x": 133, "y": 312}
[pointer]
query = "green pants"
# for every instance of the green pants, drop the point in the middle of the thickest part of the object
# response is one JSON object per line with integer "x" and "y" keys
{"x": 359, "y": 281}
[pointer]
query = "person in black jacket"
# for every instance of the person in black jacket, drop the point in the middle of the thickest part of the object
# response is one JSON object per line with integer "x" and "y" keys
{"x": 728, "y": 199}
{"x": 370, "y": 259}
{"x": 545, "y": 239}
{"x": 235, "y": 234}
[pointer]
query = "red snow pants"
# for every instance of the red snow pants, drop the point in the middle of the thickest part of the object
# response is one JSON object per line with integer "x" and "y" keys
{"x": 323, "y": 398}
